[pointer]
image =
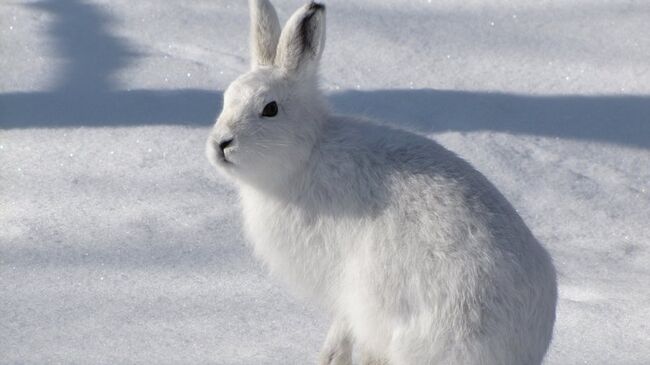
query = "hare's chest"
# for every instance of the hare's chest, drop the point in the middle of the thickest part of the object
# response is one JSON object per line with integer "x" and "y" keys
{"x": 302, "y": 249}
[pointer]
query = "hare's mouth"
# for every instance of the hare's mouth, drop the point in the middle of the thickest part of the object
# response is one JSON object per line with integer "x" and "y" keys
{"x": 223, "y": 147}
{"x": 217, "y": 155}
{"x": 224, "y": 160}
{"x": 221, "y": 156}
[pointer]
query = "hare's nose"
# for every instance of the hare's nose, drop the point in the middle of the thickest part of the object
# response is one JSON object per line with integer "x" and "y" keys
{"x": 225, "y": 143}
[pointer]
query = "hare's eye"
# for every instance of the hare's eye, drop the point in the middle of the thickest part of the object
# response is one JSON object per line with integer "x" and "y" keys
{"x": 270, "y": 110}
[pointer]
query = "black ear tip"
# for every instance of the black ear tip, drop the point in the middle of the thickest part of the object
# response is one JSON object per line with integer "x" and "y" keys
{"x": 313, "y": 6}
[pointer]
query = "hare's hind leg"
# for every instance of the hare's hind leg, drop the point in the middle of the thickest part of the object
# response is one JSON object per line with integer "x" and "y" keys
{"x": 337, "y": 349}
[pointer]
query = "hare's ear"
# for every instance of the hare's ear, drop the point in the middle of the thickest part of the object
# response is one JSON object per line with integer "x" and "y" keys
{"x": 265, "y": 32}
{"x": 302, "y": 40}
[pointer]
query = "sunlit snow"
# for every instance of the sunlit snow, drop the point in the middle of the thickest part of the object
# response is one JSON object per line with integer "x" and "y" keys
{"x": 119, "y": 244}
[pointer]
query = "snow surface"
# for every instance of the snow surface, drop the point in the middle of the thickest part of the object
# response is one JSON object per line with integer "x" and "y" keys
{"x": 119, "y": 243}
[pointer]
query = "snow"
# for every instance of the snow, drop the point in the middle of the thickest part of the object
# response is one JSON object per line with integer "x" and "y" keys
{"x": 120, "y": 244}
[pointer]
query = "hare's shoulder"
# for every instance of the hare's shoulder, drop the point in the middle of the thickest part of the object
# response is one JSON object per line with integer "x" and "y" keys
{"x": 353, "y": 133}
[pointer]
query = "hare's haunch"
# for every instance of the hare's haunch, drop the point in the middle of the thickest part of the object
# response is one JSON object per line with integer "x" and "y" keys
{"x": 416, "y": 254}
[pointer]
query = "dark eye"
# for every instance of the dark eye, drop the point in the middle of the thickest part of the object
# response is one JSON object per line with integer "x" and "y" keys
{"x": 270, "y": 110}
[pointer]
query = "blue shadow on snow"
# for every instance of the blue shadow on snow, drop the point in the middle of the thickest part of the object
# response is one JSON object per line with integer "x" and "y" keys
{"x": 85, "y": 95}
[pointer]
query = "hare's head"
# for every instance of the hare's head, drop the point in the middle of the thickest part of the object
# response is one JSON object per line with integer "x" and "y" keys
{"x": 272, "y": 115}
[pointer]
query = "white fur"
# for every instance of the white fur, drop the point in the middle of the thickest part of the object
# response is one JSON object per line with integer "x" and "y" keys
{"x": 418, "y": 257}
{"x": 265, "y": 32}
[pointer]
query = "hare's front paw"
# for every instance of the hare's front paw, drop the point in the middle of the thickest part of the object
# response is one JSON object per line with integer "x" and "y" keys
{"x": 335, "y": 358}
{"x": 370, "y": 359}
{"x": 337, "y": 349}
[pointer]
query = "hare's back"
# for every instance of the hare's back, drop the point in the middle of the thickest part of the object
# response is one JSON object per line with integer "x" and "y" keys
{"x": 413, "y": 176}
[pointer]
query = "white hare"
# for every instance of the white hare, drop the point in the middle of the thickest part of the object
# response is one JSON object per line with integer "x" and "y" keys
{"x": 418, "y": 257}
